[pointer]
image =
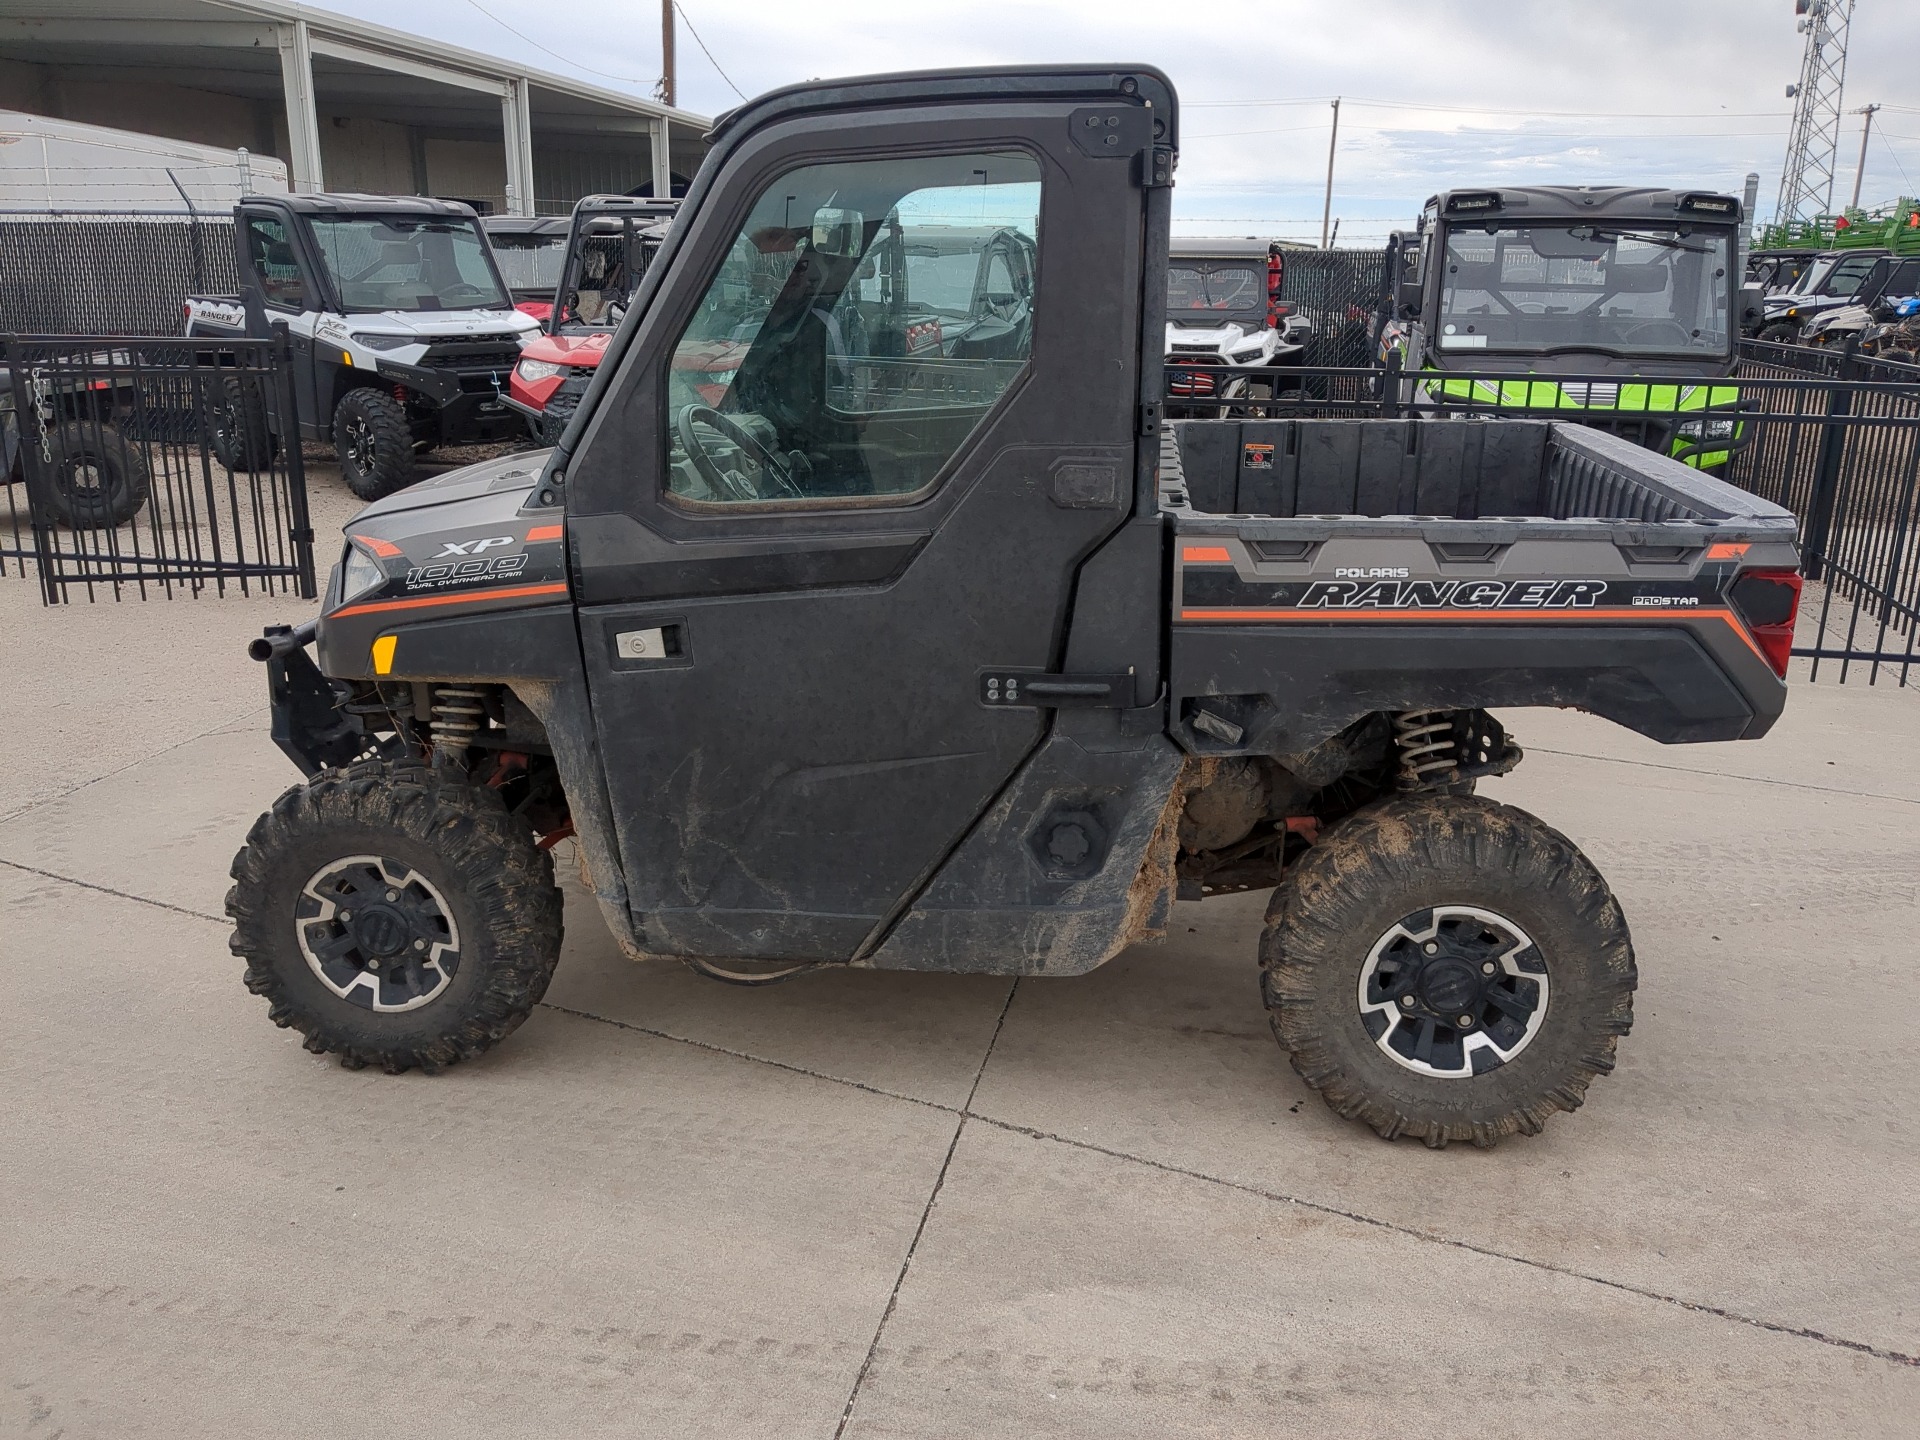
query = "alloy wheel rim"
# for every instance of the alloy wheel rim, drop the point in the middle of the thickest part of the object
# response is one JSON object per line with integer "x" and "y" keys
{"x": 377, "y": 933}
{"x": 1453, "y": 991}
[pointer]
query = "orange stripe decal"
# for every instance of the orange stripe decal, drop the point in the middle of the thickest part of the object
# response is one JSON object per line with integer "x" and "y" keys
{"x": 503, "y": 592}
{"x": 544, "y": 532}
{"x": 1467, "y": 617}
{"x": 386, "y": 549}
{"x": 1206, "y": 555}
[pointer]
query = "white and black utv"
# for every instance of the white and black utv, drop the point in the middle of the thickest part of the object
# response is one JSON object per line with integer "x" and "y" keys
{"x": 403, "y": 332}
{"x": 1227, "y": 325}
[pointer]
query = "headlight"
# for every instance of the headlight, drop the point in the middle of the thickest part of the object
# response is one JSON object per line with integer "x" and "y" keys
{"x": 1709, "y": 429}
{"x": 533, "y": 371}
{"x": 1248, "y": 355}
{"x": 382, "y": 342}
{"x": 359, "y": 573}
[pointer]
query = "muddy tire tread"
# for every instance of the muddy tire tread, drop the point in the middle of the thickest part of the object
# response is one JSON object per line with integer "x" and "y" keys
{"x": 508, "y": 878}
{"x": 1311, "y": 930}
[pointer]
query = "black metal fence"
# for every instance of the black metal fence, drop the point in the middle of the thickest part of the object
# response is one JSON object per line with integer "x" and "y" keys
{"x": 68, "y": 272}
{"x": 1832, "y": 436}
{"x": 141, "y": 466}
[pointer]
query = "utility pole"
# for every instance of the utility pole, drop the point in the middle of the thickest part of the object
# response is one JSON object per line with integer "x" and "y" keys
{"x": 666, "y": 52}
{"x": 1326, "y": 211}
{"x": 1859, "y": 170}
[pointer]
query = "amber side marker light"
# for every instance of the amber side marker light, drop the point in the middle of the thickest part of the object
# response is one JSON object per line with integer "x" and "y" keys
{"x": 1766, "y": 602}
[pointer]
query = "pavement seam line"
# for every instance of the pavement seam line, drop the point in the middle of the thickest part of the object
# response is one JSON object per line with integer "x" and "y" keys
{"x": 1726, "y": 775}
{"x": 117, "y": 894}
{"x": 33, "y": 805}
{"x": 939, "y": 1182}
{"x": 966, "y": 1112}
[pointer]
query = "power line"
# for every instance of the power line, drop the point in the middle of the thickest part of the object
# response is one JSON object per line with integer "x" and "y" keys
{"x": 565, "y": 59}
{"x": 678, "y": 10}
{"x": 1505, "y": 110}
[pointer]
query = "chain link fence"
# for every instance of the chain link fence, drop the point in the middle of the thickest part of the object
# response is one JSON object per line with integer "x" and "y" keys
{"x": 99, "y": 273}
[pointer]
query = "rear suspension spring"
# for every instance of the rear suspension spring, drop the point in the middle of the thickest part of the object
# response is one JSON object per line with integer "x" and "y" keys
{"x": 459, "y": 711}
{"x": 1428, "y": 753}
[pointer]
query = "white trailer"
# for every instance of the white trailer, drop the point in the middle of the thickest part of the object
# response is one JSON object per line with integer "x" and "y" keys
{"x": 51, "y": 166}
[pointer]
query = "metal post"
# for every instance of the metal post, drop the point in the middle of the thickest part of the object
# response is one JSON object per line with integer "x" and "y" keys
{"x": 299, "y": 523}
{"x": 662, "y": 161}
{"x": 1826, "y": 475}
{"x": 303, "y": 123}
{"x": 1390, "y": 386}
{"x": 516, "y": 124}
{"x": 1859, "y": 170}
{"x": 1333, "y": 143}
{"x": 36, "y": 461}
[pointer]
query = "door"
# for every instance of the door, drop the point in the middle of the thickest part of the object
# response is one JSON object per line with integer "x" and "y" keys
{"x": 879, "y": 409}
{"x": 279, "y": 291}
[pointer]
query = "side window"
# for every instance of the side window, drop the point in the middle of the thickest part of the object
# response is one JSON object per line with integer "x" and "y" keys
{"x": 281, "y": 283}
{"x": 864, "y": 321}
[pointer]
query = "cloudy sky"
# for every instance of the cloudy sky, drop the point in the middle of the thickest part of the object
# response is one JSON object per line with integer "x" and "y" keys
{"x": 1437, "y": 92}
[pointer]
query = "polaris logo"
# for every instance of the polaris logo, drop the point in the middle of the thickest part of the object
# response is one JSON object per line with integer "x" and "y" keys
{"x": 472, "y": 547}
{"x": 1379, "y": 572}
{"x": 1452, "y": 594}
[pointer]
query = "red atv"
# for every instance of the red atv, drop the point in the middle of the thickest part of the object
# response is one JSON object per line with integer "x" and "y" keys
{"x": 612, "y": 240}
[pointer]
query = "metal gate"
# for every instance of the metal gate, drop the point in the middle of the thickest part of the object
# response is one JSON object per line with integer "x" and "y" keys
{"x": 137, "y": 465}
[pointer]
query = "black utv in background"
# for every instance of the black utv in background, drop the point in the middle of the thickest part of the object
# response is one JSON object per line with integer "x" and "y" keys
{"x": 870, "y": 614}
{"x": 403, "y": 332}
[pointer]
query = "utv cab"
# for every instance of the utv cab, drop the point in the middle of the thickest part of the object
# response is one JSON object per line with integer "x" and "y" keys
{"x": 402, "y": 328}
{"x": 1636, "y": 285}
{"x": 1227, "y": 325}
{"x": 530, "y": 251}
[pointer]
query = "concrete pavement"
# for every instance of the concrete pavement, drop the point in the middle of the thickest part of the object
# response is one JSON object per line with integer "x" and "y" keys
{"x": 916, "y": 1205}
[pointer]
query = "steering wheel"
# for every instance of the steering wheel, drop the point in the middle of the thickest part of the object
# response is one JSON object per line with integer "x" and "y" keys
{"x": 720, "y": 480}
{"x": 1660, "y": 330}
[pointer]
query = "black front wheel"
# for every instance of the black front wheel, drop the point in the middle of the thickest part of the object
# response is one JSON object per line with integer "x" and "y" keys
{"x": 238, "y": 430}
{"x": 1446, "y": 967}
{"x": 374, "y": 442}
{"x": 395, "y": 917}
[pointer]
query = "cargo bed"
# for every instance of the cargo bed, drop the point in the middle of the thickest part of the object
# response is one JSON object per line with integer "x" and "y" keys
{"x": 1326, "y": 569}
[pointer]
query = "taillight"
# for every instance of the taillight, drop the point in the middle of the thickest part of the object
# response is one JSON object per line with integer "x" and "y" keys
{"x": 1767, "y": 601}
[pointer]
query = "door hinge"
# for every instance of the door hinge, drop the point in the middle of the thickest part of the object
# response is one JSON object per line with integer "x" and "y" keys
{"x": 1155, "y": 168}
{"x": 1149, "y": 420}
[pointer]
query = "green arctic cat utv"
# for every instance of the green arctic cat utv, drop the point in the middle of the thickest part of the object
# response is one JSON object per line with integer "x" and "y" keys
{"x": 1623, "y": 304}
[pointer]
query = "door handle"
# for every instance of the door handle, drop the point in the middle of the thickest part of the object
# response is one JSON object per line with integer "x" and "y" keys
{"x": 1040, "y": 690}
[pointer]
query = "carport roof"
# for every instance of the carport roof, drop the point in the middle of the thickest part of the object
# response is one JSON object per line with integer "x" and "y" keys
{"x": 231, "y": 46}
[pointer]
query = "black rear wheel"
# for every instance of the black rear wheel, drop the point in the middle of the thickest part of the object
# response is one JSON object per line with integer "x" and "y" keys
{"x": 100, "y": 481}
{"x": 374, "y": 443}
{"x": 1446, "y": 967}
{"x": 394, "y": 917}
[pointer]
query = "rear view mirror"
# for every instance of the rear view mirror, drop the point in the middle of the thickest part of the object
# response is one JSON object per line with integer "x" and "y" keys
{"x": 840, "y": 233}
{"x": 1407, "y": 287}
{"x": 1637, "y": 279}
{"x": 1753, "y": 304}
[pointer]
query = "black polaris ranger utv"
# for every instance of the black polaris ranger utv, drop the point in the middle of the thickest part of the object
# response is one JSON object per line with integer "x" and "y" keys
{"x": 403, "y": 333}
{"x": 833, "y": 638}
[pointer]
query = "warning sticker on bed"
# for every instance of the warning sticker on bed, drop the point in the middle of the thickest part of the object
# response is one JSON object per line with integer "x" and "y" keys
{"x": 1256, "y": 457}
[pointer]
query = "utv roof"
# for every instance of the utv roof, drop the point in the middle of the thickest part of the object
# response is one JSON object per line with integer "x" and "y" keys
{"x": 1227, "y": 247}
{"x": 524, "y": 224}
{"x": 347, "y": 203}
{"x": 638, "y": 204}
{"x": 1617, "y": 202}
{"x": 998, "y": 82}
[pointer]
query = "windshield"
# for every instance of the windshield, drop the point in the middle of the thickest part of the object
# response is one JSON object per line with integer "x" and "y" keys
{"x": 1630, "y": 289}
{"x": 1203, "y": 291}
{"x": 396, "y": 262}
{"x": 530, "y": 262}
{"x": 1844, "y": 275}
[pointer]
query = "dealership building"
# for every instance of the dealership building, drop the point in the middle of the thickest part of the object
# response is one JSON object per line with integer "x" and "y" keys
{"x": 346, "y": 105}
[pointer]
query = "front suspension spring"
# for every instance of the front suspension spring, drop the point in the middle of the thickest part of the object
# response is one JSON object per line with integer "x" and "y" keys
{"x": 458, "y": 713}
